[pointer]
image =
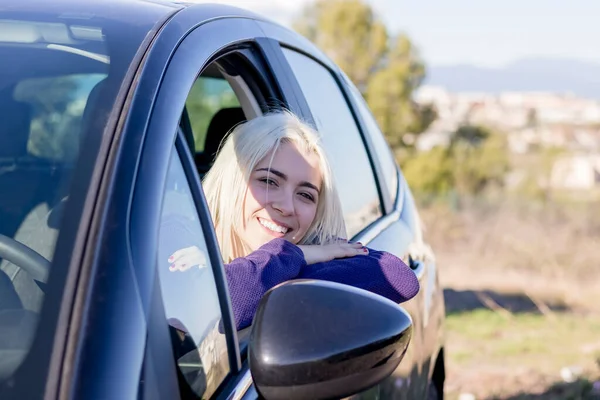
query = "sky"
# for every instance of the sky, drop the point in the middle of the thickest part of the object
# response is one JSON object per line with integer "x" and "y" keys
{"x": 489, "y": 33}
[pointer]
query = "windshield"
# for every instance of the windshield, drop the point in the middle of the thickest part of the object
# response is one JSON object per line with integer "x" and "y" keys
{"x": 59, "y": 78}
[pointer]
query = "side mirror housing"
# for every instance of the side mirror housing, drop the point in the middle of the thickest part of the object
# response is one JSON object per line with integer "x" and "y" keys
{"x": 321, "y": 340}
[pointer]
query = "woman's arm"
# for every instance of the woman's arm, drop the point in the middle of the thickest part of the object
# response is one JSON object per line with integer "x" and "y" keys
{"x": 378, "y": 272}
{"x": 275, "y": 262}
{"x": 278, "y": 261}
{"x": 250, "y": 277}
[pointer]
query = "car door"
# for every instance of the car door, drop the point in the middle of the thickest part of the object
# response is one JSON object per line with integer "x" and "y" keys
{"x": 371, "y": 203}
{"x": 146, "y": 331}
{"x": 218, "y": 73}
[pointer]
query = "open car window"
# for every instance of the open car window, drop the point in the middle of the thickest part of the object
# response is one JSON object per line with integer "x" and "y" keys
{"x": 208, "y": 97}
{"x": 218, "y": 101}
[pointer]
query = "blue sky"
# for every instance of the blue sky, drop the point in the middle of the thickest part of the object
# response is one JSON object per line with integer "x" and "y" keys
{"x": 488, "y": 32}
{"x": 483, "y": 32}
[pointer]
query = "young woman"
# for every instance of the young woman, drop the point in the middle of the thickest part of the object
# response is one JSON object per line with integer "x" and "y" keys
{"x": 278, "y": 217}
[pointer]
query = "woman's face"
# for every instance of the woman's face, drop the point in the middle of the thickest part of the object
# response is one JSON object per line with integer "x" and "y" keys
{"x": 281, "y": 199}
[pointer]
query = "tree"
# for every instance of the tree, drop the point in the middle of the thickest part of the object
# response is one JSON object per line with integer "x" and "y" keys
{"x": 536, "y": 183}
{"x": 430, "y": 172}
{"x": 349, "y": 33}
{"x": 426, "y": 114}
{"x": 480, "y": 159}
{"x": 475, "y": 159}
{"x": 471, "y": 135}
{"x": 390, "y": 89}
{"x": 385, "y": 69}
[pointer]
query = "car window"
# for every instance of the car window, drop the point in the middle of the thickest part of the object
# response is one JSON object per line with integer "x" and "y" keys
{"x": 216, "y": 103}
{"x": 385, "y": 156}
{"x": 189, "y": 289}
{"x": 208, "y": 96}
{"x": 341, "y": 138}
{"x": 59, "y": 80}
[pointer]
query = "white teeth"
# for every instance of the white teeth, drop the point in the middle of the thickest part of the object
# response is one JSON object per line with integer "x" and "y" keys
{"x": 272, "y": 226}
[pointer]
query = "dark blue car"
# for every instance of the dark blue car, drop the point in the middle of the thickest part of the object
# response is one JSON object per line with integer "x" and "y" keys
{"x": 111, "y": 112}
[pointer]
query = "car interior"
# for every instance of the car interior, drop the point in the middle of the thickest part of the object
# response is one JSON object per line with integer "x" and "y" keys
{"x": 30, "y": 214}
{"x": 45, "y": 111}
{"x": 205, "y": 145}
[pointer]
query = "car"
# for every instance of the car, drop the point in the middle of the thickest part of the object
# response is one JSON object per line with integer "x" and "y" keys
{"x": 112, "y": 111}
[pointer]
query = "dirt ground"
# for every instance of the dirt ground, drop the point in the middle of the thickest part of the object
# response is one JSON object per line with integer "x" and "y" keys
{"x": 523, "y": 300}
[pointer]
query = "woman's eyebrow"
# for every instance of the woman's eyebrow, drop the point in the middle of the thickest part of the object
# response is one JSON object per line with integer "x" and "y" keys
{"x": 274, "y": 172}
{"x": 285, "y": 178}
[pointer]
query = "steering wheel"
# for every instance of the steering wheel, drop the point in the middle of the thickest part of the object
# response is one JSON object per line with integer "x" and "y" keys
{"x": 18, "y": 326}
{"x": 36, "y": 265}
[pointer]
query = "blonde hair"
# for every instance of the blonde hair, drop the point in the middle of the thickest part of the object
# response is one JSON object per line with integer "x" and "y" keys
{"x": 226, "y": 183}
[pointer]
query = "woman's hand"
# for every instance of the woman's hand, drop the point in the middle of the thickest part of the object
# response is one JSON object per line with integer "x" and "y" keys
{"x": 342, "y": 249}
{"x": 186, "y": 258}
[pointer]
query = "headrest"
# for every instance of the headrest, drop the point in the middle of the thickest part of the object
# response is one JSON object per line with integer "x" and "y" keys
{"x": 14, "y": 129}
{"x": 92, "y": 104}
{"x": 222, "y": 122}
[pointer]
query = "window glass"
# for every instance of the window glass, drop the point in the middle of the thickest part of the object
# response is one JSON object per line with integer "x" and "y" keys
{"x": 56, "y": 105}
{"x": 47, "y": 121}
{"x": 189, "y": 289}
{"x": 60, "y": 74}
{"x": 382, "y": 149}
{"x": 42, "y": 110}
{"x": 207, "y": 97}
{"x": 341, "y": 138}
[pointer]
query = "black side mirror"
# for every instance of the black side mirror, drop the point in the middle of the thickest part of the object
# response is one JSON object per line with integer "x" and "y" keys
{"x": 322, "y": 340}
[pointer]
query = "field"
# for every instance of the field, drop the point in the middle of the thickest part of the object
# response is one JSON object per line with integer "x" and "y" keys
{"x": 522, "y": 297}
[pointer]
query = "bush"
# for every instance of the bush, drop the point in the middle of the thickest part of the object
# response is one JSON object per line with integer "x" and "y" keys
{"x": 475, "y": 160}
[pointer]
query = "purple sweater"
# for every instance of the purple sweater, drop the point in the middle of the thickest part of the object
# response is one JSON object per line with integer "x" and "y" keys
{"x": 277, "y": 261}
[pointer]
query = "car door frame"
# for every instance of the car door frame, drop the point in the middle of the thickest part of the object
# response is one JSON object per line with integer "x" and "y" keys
{"x": 240, "y": 29}
{"x": 204, "y": 44}
{"x": 393, "y": 206}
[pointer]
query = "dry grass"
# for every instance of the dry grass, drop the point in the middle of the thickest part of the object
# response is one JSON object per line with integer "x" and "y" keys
{"x": 522, "y": 294}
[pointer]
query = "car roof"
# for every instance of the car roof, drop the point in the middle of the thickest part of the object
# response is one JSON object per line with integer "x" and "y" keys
{"x": 100, "y": 8}
{"x": 139, "y": 14}
{"x": 142, "y": 15}
{"x": 116, "y": 9}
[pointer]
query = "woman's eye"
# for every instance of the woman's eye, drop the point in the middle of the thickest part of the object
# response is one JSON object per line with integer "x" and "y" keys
{"x": 308, "y": 196}
{"x": 268, "y": 181}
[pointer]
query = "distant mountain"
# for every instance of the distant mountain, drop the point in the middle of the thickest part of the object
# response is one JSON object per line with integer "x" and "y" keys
{"x": 581, "y": 78}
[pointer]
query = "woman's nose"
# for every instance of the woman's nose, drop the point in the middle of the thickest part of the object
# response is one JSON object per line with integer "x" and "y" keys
{"x": 284, "y": 204}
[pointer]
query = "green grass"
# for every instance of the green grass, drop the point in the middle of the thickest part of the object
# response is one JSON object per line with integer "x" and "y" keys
{"x": 524, "y": 339}
{"x": 529, "y": 257}
{"x": 527, "y": 348}
{"x": 579, "y": 390}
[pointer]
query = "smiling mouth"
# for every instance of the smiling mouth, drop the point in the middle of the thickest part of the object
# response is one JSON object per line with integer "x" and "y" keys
{"x": 273, "y": 227}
